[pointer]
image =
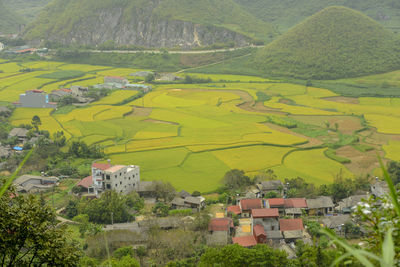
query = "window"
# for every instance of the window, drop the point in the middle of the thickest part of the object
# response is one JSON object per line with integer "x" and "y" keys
{"x": 272, "y": 228}
{"x": 108, "y": 177}
{"x": 120, "y": 182}
{"x": 108, "y": 186}
{"x": 115, "y": 176}
{"x": 129, "y": 178}
{"x": 120, "y": 173}
{"x": 116, "y": 185}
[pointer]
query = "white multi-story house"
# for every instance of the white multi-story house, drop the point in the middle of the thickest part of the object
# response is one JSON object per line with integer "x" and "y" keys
{"x": 120, "y": 178}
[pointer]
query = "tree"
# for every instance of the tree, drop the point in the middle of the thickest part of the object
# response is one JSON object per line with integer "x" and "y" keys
{"x": 126, "y": 261}
{"x": 150, "y": 78}
{"x": 336, "y": 126}
{"x": 393, "y": 168}
{"x": 196, "y": 194}
{"x": 161, "y": 210}
{"x": 236, "y": 179}
{"x": 29, "y": 237}
{"x": 36, "y": 122}
{"x": 327, "y": 124}
{"x": 235, "y": 255}
{"x": 164, "y": 190}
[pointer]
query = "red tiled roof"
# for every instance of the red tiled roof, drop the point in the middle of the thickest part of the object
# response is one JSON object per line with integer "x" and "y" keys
{"x": 220, "y": 224}
{"x": 101, "y": 166}
{"x": 291, "y": 224}
{"x": 245, "y": 241}
{"x": 65, "y": 90}
{"x": 26, "y": 50}
{"x": 234, "y": 209}
{"x": 265, "y": 213}
{"x": 276, "y": 202}
{"x": 295, "y": 203}
{"x": 259, "y": 230}
{"x": 116, "y": 77}
{"x": 86, "y": 182}
{"x": 248, "y": 204}
{"x": 36, "y": 91}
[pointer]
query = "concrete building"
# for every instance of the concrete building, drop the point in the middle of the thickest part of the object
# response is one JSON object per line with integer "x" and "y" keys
{"x": 35, "y": 99}
{"x": 379, "y": 189}
{"x": 57, "y": 95}
{"x": 120, "y": 178}
{"x": 1, "y": 46}
{"x": 266, "y": 187}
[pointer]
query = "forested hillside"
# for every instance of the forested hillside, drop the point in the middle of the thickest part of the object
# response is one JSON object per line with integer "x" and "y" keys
{"x": 334, "y": 43}
{"x": 156, "y": 23}
{"x": 9, "y": 21}
{"x": 28, "y": 9}
{"x": 285, "y": 14}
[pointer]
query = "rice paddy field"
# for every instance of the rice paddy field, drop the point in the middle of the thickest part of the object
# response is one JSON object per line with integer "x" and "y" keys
{"x": 192, "y": 134}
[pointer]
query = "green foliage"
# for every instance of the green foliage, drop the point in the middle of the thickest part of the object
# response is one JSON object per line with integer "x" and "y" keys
{"x": 235, "y": 255}
{"x": 126, "y": 261}
{"x": 36, "y": 122}
{"x": 314, "y": 228}
{"x": 160, "y": 209}
{"x": 282, "y": 121}
{"x": 28, "y": 235}
{"x": 285, "y": 14}
{"x": 57, "y": 19}
{"x": 184, "y": 212}
{"x": 9, "y": 20}
{"x": 236, "y": 179}
{"x": 81, "y": 150}
{"x": 335, "y": 43}
{"x": 262, "y": 97}
{"x": 123, "y": 251}
{"x": 393, "y": 169}
{"x": 110, "y": 205}
{"x": 331, "y": 153}
{"x": 298, "y": 187}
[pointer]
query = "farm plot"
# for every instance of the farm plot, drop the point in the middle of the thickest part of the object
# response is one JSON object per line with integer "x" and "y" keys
{"x": 252, "y": 158}
{"x": 392, "y": 150}
{"x": 227, "y": 77}
{"x": 311, "y": 165}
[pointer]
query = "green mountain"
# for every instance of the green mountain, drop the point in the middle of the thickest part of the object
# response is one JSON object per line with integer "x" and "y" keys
{"x": 285, "y": 14}
{"x": 27, "y": 9}
{"x": 9, "y": 21}
{"x": 336, "y": 42}
{"x": 158, "y": 23}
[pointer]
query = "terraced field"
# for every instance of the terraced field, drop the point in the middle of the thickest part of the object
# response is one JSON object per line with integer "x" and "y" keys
{"x": 191, "y": 134}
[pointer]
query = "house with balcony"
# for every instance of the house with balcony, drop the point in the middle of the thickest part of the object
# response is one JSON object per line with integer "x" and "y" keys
{"x": 35, "y": 99}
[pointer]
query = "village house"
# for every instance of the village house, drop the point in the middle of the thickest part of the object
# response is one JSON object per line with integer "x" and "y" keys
{"x": 5, "y": 152}
{"x": 32, "y": 184}
{"x": 4, "y": 111}
{"x": 221, "y": 225}
{"x": 346, "y": 205}
{"x": 246, "y": 205}
{"x": 267, "y": 218}
{"x": 115, "y": 80}
{"x": 245, "y": 241}
{"x": 120, "y": 178}
{"x": 292, "y": 229}
{"x": 146, "y": 189}
{"x": 77, "y": 90}
{"x": 35, "y": 99}
{"x": 259, "y": 234}
{"x": 336, "y": 222}
{"x": 234, "y": 210}
{"x": 379, "y": 189}
{"x": 267, "y": 187}
{"x": 278, "y": 203}
{"x": 295, "y": 206}
{"x": 195, "y": 203}
{"x": 322, "y": 205}
{"x": 20, "y": 133}
{"x": 57, "y": 95}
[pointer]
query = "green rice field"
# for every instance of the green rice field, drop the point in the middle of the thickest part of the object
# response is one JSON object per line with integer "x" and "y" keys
{"x": 192, "y": 134}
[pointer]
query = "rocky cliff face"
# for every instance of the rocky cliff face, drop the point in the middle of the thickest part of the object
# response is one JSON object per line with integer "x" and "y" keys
{"x": 142, "y": 31}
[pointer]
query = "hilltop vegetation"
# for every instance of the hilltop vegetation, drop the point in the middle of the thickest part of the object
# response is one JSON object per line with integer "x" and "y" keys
{"x": 284, "y": 14}
{"x": 9, "y": 21}
{"x": 152, "y": 23}
{"x": 337, "y": 42}
{"x": 27, "y": 9}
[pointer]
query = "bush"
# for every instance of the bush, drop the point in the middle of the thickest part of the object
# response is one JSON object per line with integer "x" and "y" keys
{"x": 284, "y": 122}
{"x": 330, "y": 153}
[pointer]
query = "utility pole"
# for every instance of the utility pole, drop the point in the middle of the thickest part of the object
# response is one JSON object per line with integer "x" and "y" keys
{"x": 112, "y": 218}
